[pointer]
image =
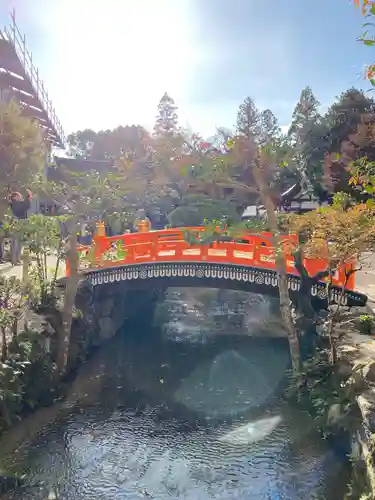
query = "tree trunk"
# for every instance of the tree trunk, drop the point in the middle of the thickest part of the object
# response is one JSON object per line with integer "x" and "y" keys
{"x": 285, "y": 309}
{"x": 71, "y": 287}
{"x": 4, "y": 347}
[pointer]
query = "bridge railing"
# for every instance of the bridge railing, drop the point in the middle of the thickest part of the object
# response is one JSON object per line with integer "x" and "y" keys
{"x": 170, "y": 246}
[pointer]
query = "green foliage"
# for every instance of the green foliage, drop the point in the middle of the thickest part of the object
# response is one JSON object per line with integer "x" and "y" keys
{"x": 269, "y": 128}
{"x": 109, "y": 145}
{"x": 42, "y": 235}
{"x": 342, "y": 200}
{"x": 305, "y": 114}
{"x": 185, "y": 216}
{"x": 119, "y": 222}
{"x": 366, "y": 324}
{"x": 197, "y": 208}
{"x": 326, "y": 393}
{"x": 20, "y": 379}
{"x": 308, "y": 134}
{"x": 22, "y": 151}
{"x": 12, "y": 305}
{"x": 346, "y": 114}
{"x": 363, "y": 176}
{"x": 248, "y": 119}
{"x": 157, "y": 172}
{"x": 27, "y": 378}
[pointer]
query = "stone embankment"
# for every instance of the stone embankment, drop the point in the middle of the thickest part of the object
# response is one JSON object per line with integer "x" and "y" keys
{"x": 358, "y": 351}
{"x": 103, "y": 310}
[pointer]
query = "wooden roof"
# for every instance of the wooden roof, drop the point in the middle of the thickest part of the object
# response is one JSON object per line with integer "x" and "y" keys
{"x": 19, "y": 75}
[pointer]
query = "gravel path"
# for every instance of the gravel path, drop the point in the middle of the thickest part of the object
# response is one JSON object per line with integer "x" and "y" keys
{"x": 8, "y": 270}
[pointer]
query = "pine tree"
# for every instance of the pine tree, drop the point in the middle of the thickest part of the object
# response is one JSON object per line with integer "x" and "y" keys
{"x": 166, "y": 124}
{"x": 308, "y": 134}
{"x": 269, "y": 128}
{"x": 304, "y": 115}
{"x": 167, "y": 146}
{"x": 248, "y": 119}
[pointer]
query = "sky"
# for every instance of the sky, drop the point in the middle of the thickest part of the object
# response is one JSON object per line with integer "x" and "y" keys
{"x": 108, "y": 62}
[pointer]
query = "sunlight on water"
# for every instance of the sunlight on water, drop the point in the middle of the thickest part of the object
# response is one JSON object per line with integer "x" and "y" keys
{"x": 251, "y": 432}
{"x": 231, "y": 383}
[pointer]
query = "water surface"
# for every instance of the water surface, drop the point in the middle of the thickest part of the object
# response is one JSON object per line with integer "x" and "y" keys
{"x": 192, "y": 413}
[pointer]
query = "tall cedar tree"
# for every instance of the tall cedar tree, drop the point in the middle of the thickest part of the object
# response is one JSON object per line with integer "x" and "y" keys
{"x": 308, "y": 135}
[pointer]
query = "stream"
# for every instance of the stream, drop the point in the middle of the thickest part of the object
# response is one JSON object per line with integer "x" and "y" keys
{"x": 188, "y": 408}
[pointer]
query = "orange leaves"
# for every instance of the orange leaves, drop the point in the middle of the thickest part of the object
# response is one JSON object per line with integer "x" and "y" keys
{"x": 370, "y": 72}
{"x": 368, "y": 8}
{"x": 365, "y": 4}
{"x": 343, "y": 234}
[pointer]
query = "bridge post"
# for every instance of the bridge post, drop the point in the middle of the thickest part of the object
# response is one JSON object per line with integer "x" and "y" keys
{"x": 100, "y": 229}
{"x": 99, "y": 241}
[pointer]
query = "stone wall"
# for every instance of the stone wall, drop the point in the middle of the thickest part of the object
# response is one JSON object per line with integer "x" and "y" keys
{"x": 105, "y": 309}
{"x": 357, "y": 357}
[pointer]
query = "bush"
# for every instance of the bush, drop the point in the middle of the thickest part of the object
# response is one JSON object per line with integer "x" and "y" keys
{"x": 27, "y": 377}
{"x": 366, "y": 324}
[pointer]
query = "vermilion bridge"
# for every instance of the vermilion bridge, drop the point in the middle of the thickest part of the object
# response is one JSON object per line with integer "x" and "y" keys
{"x": 165, "y": 258}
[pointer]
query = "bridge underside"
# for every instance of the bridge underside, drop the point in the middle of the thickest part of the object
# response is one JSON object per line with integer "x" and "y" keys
{"x": 228, "y": 276}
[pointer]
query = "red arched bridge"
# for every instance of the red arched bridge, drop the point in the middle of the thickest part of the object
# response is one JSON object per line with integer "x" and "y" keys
{"x": 165, "y": 258}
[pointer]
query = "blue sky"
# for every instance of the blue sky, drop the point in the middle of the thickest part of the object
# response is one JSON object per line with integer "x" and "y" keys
{"x": 108, "y": 62}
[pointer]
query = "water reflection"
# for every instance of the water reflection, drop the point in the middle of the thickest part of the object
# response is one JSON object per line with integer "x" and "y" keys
{"x": 233, "y": 383}
{"x": 196, "y": 419}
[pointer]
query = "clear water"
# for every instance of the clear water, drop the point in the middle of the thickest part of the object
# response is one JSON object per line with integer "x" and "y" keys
{"x": 185, "y": 415}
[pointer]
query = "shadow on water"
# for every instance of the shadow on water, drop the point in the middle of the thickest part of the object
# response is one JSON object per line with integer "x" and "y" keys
{"x": 179, "y": 412}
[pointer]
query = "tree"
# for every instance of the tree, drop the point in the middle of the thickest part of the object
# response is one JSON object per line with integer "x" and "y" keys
{"x": 260, "y": 164}
{"x": 71, "y": 289}
{"x": 42, "y": 236}
{"x": 166, "y": 124}
{"x": 263, "y": 165}
{"x": 344, "y": 116}
{"x": 109, "y": 145}
{"x": 356, "y": 154}
{"x": 269, "y": 128}
{"x": 22, "y": 150}
{"x": 91, "y": 195}
{"x": 196, "y": 208}
{"x": 340, "y": 235}
{"x": 305, "y": 113}
{"x": 248, "y": 119}
{"x": 168, "y": 146}
{"x": 308, "y": 136}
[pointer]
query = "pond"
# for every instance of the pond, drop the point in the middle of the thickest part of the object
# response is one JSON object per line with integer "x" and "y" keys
{"x": 189, "y": 408}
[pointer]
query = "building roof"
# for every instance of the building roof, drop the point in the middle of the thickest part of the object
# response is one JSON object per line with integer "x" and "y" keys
{"x": 19, "y": 75}
{"x": 82, "y": 165}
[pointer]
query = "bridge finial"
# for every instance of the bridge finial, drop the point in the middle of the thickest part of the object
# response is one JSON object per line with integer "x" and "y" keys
{"x": 100, "y": 229}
